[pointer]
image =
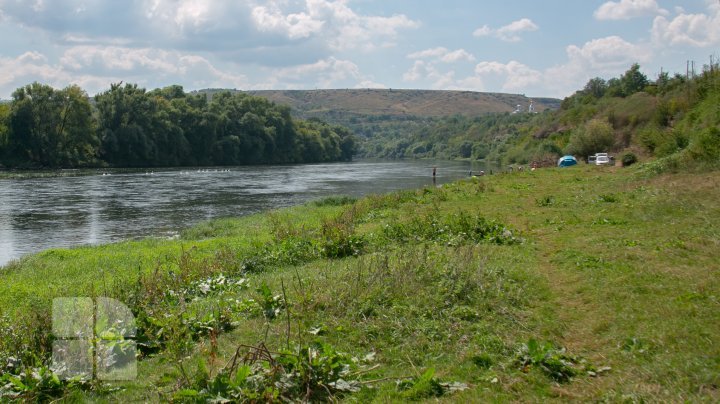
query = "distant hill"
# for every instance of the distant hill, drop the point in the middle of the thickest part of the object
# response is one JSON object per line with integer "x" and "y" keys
{"x": 390, "y": 103}
{"x": 427, "y": 103}
{"x": 409, "y": 123}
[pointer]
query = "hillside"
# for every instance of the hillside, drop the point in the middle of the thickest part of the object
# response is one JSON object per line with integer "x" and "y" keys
{"x": 377, "y": 102}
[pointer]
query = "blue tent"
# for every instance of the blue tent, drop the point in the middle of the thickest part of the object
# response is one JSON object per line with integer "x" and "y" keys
{"x": 567, "y": 161}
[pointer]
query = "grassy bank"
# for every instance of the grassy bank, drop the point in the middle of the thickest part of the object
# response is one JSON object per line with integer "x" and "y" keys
{"x": 578, "y": 284}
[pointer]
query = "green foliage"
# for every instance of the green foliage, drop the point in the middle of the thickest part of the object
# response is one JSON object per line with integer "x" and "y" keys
{"x": 451, "y": 137}
{"x": 705, "y": 146}
{"x": 628, "y": 159}
{"x": 594, "y": 137}
{"x": 34, "y": 385}
{"x": 312, "y": 373}
{"x": 270, "y": 303}
{"x": 50, "y": 128}
{"x": 452, "y": 229}
{"x": 131, "y": 127}
{"x": 554, "y": 362}
{"x": 337, "y": 200}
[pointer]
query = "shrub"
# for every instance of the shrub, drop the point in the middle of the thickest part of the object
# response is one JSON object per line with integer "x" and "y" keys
{"x": 597, "y": 135}
{"x": 628, "y": 159}
{"x": 706, "y": 145}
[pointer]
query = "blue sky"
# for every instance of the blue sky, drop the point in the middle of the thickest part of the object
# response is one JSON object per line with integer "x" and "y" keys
{"x": 538, "y": 48}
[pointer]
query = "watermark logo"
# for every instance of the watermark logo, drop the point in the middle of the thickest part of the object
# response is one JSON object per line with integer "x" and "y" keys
{"x": 94, "y": 339}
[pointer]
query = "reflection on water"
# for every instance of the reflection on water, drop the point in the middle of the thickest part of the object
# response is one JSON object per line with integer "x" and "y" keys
{"x": 41, "y": 213}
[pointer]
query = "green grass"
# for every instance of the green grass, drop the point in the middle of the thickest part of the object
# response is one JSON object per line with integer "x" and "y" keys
{"x": 585, "y": 284}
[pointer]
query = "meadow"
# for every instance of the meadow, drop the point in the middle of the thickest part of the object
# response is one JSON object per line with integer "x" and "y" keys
{"x": 584, "y": 284}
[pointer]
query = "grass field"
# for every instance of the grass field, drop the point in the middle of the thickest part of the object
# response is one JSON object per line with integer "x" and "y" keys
{"x": 587, "y": 283}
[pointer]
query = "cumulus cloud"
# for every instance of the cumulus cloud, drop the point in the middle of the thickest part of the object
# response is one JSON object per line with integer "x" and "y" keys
{"x": 27, "y": 67}
{"x": 443, "y": 55}
{"x": 332, "y": 21}
{"x": 160, "y": 64}
{"x": 510, "y": 32}
{"x": 330, "y": 72}
{"x": 627, "y": 9}
{"x": 294, "y": 25}
{"x": 514, "y": 75}
{"x": 95, "y": 67}
{"x": 604, "y": 57}
{"x": 697, "y": 30}
{"x": 422, "y": 70}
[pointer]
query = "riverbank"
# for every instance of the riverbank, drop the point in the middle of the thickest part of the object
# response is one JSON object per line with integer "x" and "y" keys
{"x": 588, "y": 283}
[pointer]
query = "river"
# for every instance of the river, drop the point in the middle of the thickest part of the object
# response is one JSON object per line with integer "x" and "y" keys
{"x": 95, "y": 207}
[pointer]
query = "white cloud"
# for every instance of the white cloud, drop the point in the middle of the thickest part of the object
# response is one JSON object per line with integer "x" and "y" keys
{"x": 334, "y": 22}
{"x": 603, "y": 57}
{"x": 422, "y": 70}
{"x": 607, "y": 53}
{"x": 325, "y": 73}
{"x": 627, "y": 9}
{"x": 698, "y": 30}
{"x": 457, "y": 55}
{"x": 369, "y": 84}
{"x": 416, "y": 72}
{"x": 514, "y": 75}
{"x": 148, "y": 62}
{"x": 429, "y": 53}
{"x": 95, "y": 67}
{"x": 30, "y": 66}
{"x": 510, "y": 32}
{"x": 443, "y": 55}
{"x": 296, "y": 25}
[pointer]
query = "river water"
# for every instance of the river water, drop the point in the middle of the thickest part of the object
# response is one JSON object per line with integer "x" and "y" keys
{"x": 96, "y": 207}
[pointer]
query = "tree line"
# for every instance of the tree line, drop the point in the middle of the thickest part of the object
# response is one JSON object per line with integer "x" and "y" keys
{"x": 127, "y": 126}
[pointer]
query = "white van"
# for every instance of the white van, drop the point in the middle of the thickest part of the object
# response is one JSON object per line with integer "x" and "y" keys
{"x": 599, "y": 159}
{"x": 602, "y": 160}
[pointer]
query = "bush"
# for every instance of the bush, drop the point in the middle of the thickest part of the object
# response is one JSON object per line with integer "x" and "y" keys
{"x": 628, "y": 159}
{"x": 706, "y": 145}
{"x": 596, "y": 136}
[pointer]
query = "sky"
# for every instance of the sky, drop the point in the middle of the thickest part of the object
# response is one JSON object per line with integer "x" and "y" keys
{"x": 545, "y": 48}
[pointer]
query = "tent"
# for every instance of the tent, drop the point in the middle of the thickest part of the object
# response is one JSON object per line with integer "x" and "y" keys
{"x": 566, "y": 161}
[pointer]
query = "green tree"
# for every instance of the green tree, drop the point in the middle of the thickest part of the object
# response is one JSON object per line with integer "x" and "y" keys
{"x": 125, "y": 115}
{"x": 633, "y": 80}
{"x": 594, "y": 137}
{"x": 79, "y": 143}
{"x": 51, "y": 128}
{"x": 596, "y": 87}
{"x": 4, "y": 131}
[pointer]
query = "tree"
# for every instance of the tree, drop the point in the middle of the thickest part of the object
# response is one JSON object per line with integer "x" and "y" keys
{"x": 596, "y": 87}
{"x": 594, "y": 137}
{"x": 633, "y": 80}
{"x": 51, "y": 128}
{"x": 125, "y": 117}
{"x": 4, "y": 131}
{"x": 79, "y": 143}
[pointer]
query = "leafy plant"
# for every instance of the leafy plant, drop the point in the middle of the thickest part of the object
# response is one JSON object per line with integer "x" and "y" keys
{"x": 427, "y": 386}
{"x": 270, "y": 304}
{"x": 312, "y": 373}
{"x": 628, "y": 159}
{"x": 550, "y": 360}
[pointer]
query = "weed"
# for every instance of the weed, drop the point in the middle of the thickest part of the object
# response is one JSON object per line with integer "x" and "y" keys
{"x": 335, "y": 200}
{"x": 552, "y": 361}
{"x": 608, "y": 198}
{"x": 426, "y": 386}
{"x": 545, "y": 201}
{"x": 309, "y": 374}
